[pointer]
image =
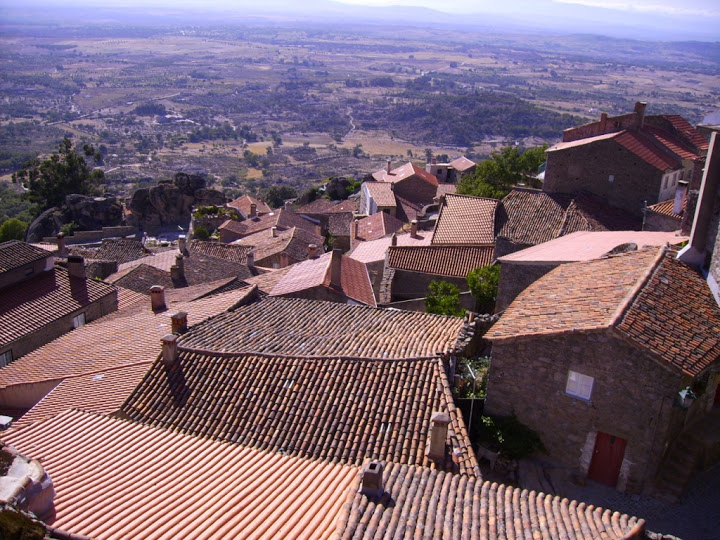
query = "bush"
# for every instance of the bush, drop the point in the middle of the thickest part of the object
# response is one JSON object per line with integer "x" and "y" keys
{"x": 12, "y": 229}
{"x": 510, "y": 437}
{"x": 443, "y": 299}
{"x": 201, "y": 233}
{"x": 483, "y": 283}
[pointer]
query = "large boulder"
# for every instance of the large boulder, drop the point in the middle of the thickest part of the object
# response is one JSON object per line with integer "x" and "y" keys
{"x": 46, "y": 224}
{"x": 93, "y": 213}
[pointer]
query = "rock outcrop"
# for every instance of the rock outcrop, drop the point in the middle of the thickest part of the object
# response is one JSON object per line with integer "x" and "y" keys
{"x": 87, "y": 213}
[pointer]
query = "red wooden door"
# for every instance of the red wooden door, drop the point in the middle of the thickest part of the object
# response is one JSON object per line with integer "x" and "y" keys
{"x": 607, "y": 458}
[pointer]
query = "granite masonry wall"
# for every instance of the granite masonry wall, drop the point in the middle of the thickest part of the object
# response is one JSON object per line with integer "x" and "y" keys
{"x": 515, "y": 278}
{"x": 632, "y": 398}
{"x": 408, "y": 285}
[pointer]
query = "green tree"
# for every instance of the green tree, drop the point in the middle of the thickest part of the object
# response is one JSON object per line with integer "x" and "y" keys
{"x": 276, "y": 196}
{"x": 443, "y": 299}
{"x": 496, "y": 176}
{"x": 12, "y": 229}
{"x": 48, "y": 182}
{"x": 483, "y": 284}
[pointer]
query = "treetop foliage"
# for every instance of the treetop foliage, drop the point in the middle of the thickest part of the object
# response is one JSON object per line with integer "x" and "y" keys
{"x": 483, "y": 283}
{"x": 443, "y": 299}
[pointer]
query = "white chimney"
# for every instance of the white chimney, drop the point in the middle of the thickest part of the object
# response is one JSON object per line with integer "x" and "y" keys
{"x": 312, "y": 251}
{"x": 273, "y": 232}
{"x": 680, "y": 193}
{"x": 157, "y": 297}
{"x": 250, "y": 259}
{"x": 179, "y": 322}
{"x": 438, "y": 435}
{"x": 413, "y": 228}
{"x": 181, "y": 243}
{"x": 169, "y": 349}
{"x": 253, "y": 210}
{"x": 61, "y": 243}
{"x": 76, "y": 266}
{"x": 371, "y": 483}
{"x": 336, "y": 269}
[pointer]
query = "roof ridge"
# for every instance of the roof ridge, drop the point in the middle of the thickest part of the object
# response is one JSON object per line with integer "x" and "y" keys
{"x": 640, "y": 284}
{"x": 234, "y": 354}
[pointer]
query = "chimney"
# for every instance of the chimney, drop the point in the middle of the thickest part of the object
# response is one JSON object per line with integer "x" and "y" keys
{"x": 284, "y": 260}
{"x": 61, "y": 243}
{"x": 312, "y": 251}
{"x": 181, "y": 243}
{"x": 76, "y": 266}
{"x": 253, "y": 210}
{"x": 336, "y": 269}
{"x": 157, "y": 297}
{"x": 371, "y": 483}
{"x": 640, "y": 111}
{"x": 680, "y": 193}
{"x": 273, "y": 232}
{"x": 413, "y": 228}
{"x": 177, "y": 271}
{"x": 169, "y": 349}
{"x": 389, "y": 166}
{"x": 179, "y": 322}
{"x": 438, "y": 435}
{"x": 250, "y": 259}
{"x": 433, "y": 160}
{"x": 355, "y": 230}
{"x": 603, "y": 122}
{"x": 393, "y": 239}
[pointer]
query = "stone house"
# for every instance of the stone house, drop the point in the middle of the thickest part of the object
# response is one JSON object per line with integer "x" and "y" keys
{"x": 632, "y": 160}
{"x": 278, "y": 249}
{"x": 40, "y": 301}
{"x": 281, "y": 219}
{"x": 409, "y": 182}
{"x": 249, "y": 207}
{"x": 451, "y": 172}
{"x": 593, "y": 357}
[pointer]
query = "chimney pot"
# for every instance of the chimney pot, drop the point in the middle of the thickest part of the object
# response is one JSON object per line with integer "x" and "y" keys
{"x": 413, "y": 228}
{"x": 253, "y": 210}
{"x": 640, "y": 111}
{"x": 603, "y": 121}
{"x": 76, "y": 266}
{"x": 273, "y": 232}
{"x": 179, "y": 322}
{"x": 169, "y": 349}
{"x": 371, "y": 483}
{"x": 284, "y": 260}
{"x": 61, "y": 243}
{"x": 181, "y": 243}
{"x": 336, "y": 269}
{"x": 389, "y": 166}
{"x": 438, "y": 435}
{"x": 393, "y": 239}
{"x": 680, "y": 193}
{"x": 312, "y": 251}
{"x": 250, "y": 259}
{"x": 157, "y": 297}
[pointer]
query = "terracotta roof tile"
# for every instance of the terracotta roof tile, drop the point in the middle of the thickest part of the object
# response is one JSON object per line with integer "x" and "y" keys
{"x": 267, "y": 281}
{"x": 117, "y": 479}
{"x": 340, "y": 410}
{"x": 640, "y": 144}
{"x": 377, "y": 226}
{"x": 375, "y": 250}
{"x": 293, "y": 241}
{"x": 282, "y": 219}
{"x": 243, "y": 203}
{"x": 299, "y": 327}
{"x": 407, "y": 210}
{"x": 684, "y": 127}
{"x": 340, "y": 223}
{"x": 349, "y": 205}
{"x": 318, "y": 206}
{"x": 403, "y": 172}
{"x": 452, "y": 261}
{"x": 228, "y": 252}
{"x": 382, "y": 193}
{"x": 666, "y": 208}
{"x": 14, "y": 254}
{"x": 462, "y": 164}
{"x": 465, "y": 220}
{"x": 419, "y": 503}
{"x": 673, "y": 144}
{"x": 121, "y": 250}
{"x": 446, "y": 189}
{"x": 34, "y": 303}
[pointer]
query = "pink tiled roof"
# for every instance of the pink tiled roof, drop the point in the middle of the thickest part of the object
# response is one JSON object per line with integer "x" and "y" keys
{"x": 337, "y": 409}
{"x": 243, "y": 203}
{"x": 640, "y": 145}
{"x": 375, "y": 250}
{"x": 355, "y": 281}
{"x": 446, "y": 189}
{"x": 462, "y": 164}
{"x": 350, "y": 205}
{"x": 403, "y": 172}
{"x": 118, "y": 479}
{"x": 305, "y": 275}
{"x": 282, "y": 219}
{"x": 36, "y": 302}
{"x": 318, "y": 206}
{"x": 435, "y": 504}
{"x": 14, "y": 254}
{"x": 377, "y": 226}
{"x": 466, "y": 220}
{"x": 451, "y": 261}
{"x": 382, "y": 193}
{"x": 293, "y": 241}
{"x": 267, "y": 281}
{"x": 219, "y": 250}
{"x": 666, "y": 208}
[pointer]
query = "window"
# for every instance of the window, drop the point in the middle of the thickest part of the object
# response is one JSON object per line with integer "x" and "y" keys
{"x": 6, "y": 358}
{"x": 78, "y": 320}
{"x": 611, "y": 178}
{"x": 579, "y": 385}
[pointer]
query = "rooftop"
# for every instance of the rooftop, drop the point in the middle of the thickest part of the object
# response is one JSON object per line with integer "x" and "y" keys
{"x": 243, "y": 203}
{"x": 14, "y": 254}
{"x": 292, "y": 326}
{"x": 374, "y": 250}
{"x": 121, "y": 250}
{"x": 462, "y": 164}
{"x": 228, "y": 252}
{"x": 403, "y": 172}
{"x": 382, "y": 193}
{"x": 376, "y": 226}
{"x": 666, "y": 208}
{"x": 282, "y": 219}
{"x": 118, "y": 479}
{"x": 465, "y": 220}
{"x": 293, "y": 241}
{"x": 343, "y": 410}
{"x": 451, "y": 261}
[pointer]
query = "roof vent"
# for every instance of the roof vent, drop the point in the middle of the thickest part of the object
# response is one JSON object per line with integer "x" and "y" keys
{"x": 438, "y": 435}
{"x": 61, "y": 243}
{"x": 371, "y": 483}
{"x": 312, "y": 251}
{"x": 413, "y": 228}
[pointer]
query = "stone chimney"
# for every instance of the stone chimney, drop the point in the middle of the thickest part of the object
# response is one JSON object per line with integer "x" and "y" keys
{"x": 61, "y": 249}
{"x": 393, "y": 239}
{"x": 371, "y": 480}
{"x": 157, "y": 297}
{"x": 312, "y": 251}
{"x": 273, "y": 232}
{"x": 680, "y": 193}
{"x": 355, "y": 229}
{"x": 177, "y": 271}
{"x": 284, "y": 260}
{"x": 253, "y": 210}
{"x": 640, "y": 111}
{"x": 433, "y": 160}
{"x": 438, "y": 435}
{"x": 603, "y": 122}
{"x": 336, "y": 269}
{"x": 76, "y": 266}
{"x": 250, "y": 259}
{"x": 413, "y": 228}
{"x": 389, "y": 166}
{"x": 169, "y": 349}
{"x": 181, "y": 243}
{"x": 179, "y": 322}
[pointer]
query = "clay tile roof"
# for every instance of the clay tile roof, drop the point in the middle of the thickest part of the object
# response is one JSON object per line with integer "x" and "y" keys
{"x": 118, "y": 479}
{"x": 35, "y": 302}
{"x": 341, "y": 410}
{"x": 292, "y": 326}
{"x": 666, "y": 208}
{"x": 355, "y": 281}
{"x": 671, "y": 143}
{"x": 282, "y": 219}
{"x": 375, "y": 250}
{"x": 15, "y": 253}
{"x": 644, "y": 148}
{"x": 349, "y": 205}
{"x": 403, "y": 172}
{"x": 684, "y": 127}
{"x": 293, "y": 241}
{"x": 451, "y": 261}
{"x": 465, "y": 220}
{"x": 121, "y": 250}
{"x": 318, "y": 206}
{"x": 228, "y": 252}
{"x": 407, "y": 210}
{"x": 140, "y": 278}
{"x": 377, "y": 226}
{"x": 123, "y": 338}
{"x": 433, "y": 504}
{"x": 462, "y": 164}
{"x": 446, "y": 189}
{"x": 382, "y": 193}
{"x": 267, "y": 281}
{"x": 339, "y": 223}
{"x": 243, "y": 203}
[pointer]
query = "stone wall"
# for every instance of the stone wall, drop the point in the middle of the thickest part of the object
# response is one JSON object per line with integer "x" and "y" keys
{"x": 654, "y": 221}
{"x": 515, "y": 278}
{"x": 588, "y": 168}
{"x": 505, "y": 246}
{"x": 416, "y": 189}
{"x": 632, "y": 398}
{"x": 408, "y": 285}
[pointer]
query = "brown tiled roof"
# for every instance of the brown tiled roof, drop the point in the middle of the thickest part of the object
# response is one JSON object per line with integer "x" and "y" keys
{"x": 140, "y": 278}
{"x": 377, "y": 226}
{"x": 293, "y": 241}
{"x": 674, "y": 145}
{"x": 462, "y": 164}
{"x": 419, "y": 503}
{"x": 243, "y": 203}
{"x": 123, "y": 338}
{"x": 666, "y": 208}
{"x": 15, "y": 253}
{"x": 337, "y": 409}
{"x": 651, "y": 299}
{"x": 118, "y": 479}
{"x": 34, "y": 303}
{"x": 282, "y": 219}
{"x": 382, "y": 193}
{"x": 407, "y": 210}
{"x": 643, "y": 147}
{"x": 350, "y": 205}
{"x": 446, "y": 189}
{"x": 292, "y": 326}
{"x": 373, "y": 251}
{"x": 684, "y": 127}
{"x": 267, "y": 281}
{"x": 403, "y": 172}
{"x": 339, "y": 224}
{"x": 465, "y": 220}
{"x": 318, "y": 206}
{"x": 451, "y": 261}
{"x": 228, "y": 252}
{"x": 121, "y": 250}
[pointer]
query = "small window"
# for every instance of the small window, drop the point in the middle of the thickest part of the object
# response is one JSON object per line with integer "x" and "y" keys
{"x": 79, "y": 320}
{"x": 6, "y": 358}
{"x": 611, "y": 178}
{"x": 579, "y": 385}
